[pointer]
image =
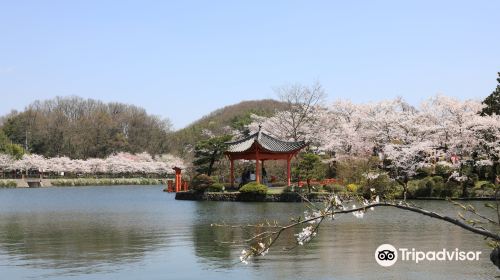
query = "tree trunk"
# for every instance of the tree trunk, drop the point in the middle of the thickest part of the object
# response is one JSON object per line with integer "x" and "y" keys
{"x": 405, "y": 191}
{"x": 211, "y": 164}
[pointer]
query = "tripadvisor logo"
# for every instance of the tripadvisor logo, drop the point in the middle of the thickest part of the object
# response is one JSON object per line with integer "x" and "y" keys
{"x": 387, "y": 255}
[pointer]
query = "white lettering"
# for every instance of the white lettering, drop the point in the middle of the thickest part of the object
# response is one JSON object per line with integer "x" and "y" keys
{"x": 441, "y": 255}
{"x": 403, "y": 251}
{"x": 431, "y": 256}
{"x": 420, "y": 256}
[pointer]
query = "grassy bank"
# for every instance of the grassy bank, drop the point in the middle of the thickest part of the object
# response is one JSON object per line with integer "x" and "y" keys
{"x": 103, "y": 182}
{"x": 7, "y": 183}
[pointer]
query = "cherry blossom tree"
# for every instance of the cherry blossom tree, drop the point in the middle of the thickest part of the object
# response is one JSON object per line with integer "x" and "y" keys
{"x": 6, "y": 162}
{"x": 403, "y": 161}
{"x": 120, "y": 163}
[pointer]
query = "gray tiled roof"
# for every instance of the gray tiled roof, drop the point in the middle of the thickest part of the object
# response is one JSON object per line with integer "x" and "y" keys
{"x": 267, "y": 142}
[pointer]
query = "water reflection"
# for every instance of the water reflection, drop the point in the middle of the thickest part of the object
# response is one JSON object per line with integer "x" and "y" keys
{"x": 74, "y": 241}
{"x": 345, "y": 247}
{"x": 220, "y": 229}
{"x": 142, "y": 233}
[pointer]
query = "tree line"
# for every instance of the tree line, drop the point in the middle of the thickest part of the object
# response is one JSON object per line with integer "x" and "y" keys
{"x": 457, "y": 141}
{"x": 84, "y": 128}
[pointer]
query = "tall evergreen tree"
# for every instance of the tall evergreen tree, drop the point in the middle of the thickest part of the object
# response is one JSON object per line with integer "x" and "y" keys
{"x": 310, "y": 168}
{"x": 492, "y": 102}
{"x": 209, "y": 151}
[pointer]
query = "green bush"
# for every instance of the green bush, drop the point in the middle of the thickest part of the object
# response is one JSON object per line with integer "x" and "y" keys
{"x": 293, "y": 188}
{"x": 8, "y": 184}
{"x": 488, "y": 185}
{"x": 201, "y": 183}
{"x": 451, "y": 189}
{"x": 424, "y": 188}
{"x": 424, "y": 172}
{"x": 254, "y": 188}
{"x": 486, "y": 189}
{"x": 336, "y": 188}
{"x": 383, "y": 185}
{"x": 216, "y": 187}
{"x": 428, "y": 187}
{"x": 352, "y": 188}
{"x": 438, "y": 186}
{"x": 443, "y": 170}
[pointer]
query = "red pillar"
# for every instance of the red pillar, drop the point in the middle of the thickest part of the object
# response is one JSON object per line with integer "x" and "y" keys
{"x": 232, "y": 173}
{"x": 178, "y": 178}
{"x": 288, "y": 172}
{"x": 257, "y": 167}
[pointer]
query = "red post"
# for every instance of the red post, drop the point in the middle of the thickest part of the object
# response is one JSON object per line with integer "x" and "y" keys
{"x": 288, "y": 172}
{"x": 257, "y": 167}
{"x": 232, "y": 173}
{"x": 178, "y": 179}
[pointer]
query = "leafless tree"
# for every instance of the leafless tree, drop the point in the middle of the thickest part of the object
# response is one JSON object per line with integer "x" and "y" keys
{"x": 300, "y": 103}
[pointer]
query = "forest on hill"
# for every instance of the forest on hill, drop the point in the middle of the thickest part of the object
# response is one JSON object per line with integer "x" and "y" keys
{"x": 86, "y": 128}
{"x": 232, "y": 118}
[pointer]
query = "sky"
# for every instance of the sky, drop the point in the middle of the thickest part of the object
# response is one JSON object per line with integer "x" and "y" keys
{"x": 183, "y": 59}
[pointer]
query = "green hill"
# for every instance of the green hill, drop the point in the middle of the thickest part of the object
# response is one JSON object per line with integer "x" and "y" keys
{"x": 234, "y": 116}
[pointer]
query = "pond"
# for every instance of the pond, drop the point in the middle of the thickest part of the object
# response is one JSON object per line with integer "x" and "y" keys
{"x": 139, "y": 232}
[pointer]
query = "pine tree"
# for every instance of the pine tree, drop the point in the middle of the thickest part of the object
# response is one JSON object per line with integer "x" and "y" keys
{"x": 208, "y": 152}
{"x": 492, "y": 102}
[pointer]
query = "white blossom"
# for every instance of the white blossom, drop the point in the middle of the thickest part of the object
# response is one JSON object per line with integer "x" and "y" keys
{"x": 358, "y": 214}
{"x": 305, "y": 235}
{"x": 244, "y": 257}
{"x": 457, "y": 177}
{"x": 315, "y": 216}
{"x": 484, "y": 162}
{"x": 120, "y": 163}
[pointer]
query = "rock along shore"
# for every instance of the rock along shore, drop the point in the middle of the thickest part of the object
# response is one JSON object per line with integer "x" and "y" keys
{"x": 236, "y": 196}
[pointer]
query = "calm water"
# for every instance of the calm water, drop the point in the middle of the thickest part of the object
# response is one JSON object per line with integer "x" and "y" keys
{"x": 130, "y": 232}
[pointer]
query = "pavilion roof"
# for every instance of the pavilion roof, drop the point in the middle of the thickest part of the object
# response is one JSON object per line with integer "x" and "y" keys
{"x": 266, "y": 142}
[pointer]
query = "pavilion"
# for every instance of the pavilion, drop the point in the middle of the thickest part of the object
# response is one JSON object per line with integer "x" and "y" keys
{"x": 261, "y": 147}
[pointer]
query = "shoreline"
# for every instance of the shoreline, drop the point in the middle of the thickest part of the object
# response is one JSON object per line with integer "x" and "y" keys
{"x": 76, "y": 182}
{"x": 283, "y": 197}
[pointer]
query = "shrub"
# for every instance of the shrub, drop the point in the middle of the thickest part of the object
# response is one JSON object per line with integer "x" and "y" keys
{"x": 424, "y": 188}
{"x": 438, "y": 186}
{"x": 293, "y": 188}
{"x": 424, "y": 172}
{"x": 201, "y": 183}
{"x": 216, "y": 187}
{"x": 352, "y": 188}
{"x": 382, "y": 184}
{"x": 488, "y": 185}
{"x": 280, "y": 184}
{"x": 443, "y": 170}
{"x": 484, "y": 190}
{"x": 428, "y": 187}
{"x": 8, "y": 184}
{"x": 315, "y": 187}
{"x": 451, "y": 189}
{"x": 254, "y": 188}
{"x": 334, "y": 188}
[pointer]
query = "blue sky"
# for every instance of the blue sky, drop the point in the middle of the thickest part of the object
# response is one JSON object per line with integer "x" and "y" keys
{"x": 183, "y": 59}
